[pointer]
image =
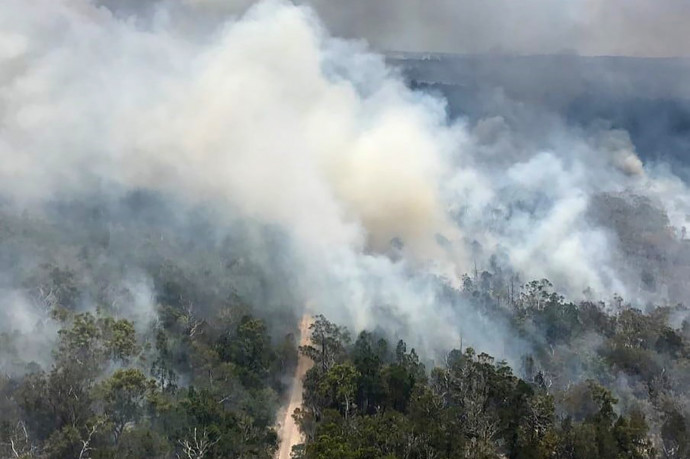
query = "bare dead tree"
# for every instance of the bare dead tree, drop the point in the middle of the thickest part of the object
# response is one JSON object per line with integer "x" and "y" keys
{"x": 193, "y": 323}
{"x": 198, "y": 446}
{"x": 46, "y": 298}
{"x": 86, "y": 444}
{"x": 19, "y": 442}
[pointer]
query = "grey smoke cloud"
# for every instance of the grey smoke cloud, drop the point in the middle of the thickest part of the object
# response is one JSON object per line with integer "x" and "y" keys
{"x": 587, "y": 27}
{"x": 269, "y": 120}
{"x": 28, "y": 332}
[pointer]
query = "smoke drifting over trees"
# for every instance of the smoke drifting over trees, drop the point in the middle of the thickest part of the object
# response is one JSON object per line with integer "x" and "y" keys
{"x": 268, "y": 119}
{"x": 176, "y": 169}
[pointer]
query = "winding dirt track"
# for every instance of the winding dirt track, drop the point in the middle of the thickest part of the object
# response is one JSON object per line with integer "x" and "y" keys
{"x": 288, "y": 431}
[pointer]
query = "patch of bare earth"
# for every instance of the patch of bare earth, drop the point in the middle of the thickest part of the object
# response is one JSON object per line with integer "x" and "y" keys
{"x": 288, "y": 431}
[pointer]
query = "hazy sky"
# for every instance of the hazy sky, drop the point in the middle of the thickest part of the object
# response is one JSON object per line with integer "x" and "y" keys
{"x": 593, "y": 27}
{"x": 657, "y": 28}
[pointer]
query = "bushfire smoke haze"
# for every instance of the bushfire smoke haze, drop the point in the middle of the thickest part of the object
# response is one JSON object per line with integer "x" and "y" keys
{"x": 586, "y": 27}
{"x": 257, "y": 114}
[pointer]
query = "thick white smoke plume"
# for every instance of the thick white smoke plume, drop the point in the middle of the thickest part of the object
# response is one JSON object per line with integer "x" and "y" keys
{"x": 268, "y": 119}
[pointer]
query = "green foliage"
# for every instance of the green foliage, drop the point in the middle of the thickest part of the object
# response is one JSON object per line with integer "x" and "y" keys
{"x": 142, "y": 442}
{"x": 83, "y": 408}
{"x": 120, "y": 340}
{"x": 206, "y": 379}
{"x": 64, "y": 443}
{"x": 338, "y": 386}
{"x": 123, "y": 396}
{"x": 328, "y": 343}
{"x": 473, "y": 407}
{"x": 249, "y": 348}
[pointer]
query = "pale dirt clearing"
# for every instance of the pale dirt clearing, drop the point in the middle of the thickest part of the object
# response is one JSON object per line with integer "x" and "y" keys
{"x": 288, "y": 431}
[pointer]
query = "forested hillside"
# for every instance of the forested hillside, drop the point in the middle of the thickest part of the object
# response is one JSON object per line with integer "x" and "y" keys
{"x": 199, "y": 372}
{"x": 194, "y": 391}
{"x": 115, "y": 342}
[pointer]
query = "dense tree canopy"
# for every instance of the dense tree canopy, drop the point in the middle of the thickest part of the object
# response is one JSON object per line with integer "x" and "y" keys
{"x": 111, "y": 393}
{"x": 373, "y": 403}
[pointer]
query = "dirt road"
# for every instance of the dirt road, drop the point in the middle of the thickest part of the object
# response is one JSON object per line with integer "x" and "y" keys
{"x": 288, "y": 431}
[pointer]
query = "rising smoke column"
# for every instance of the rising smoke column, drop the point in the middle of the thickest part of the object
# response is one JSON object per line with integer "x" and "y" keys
{"x": 268, "y": 119}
